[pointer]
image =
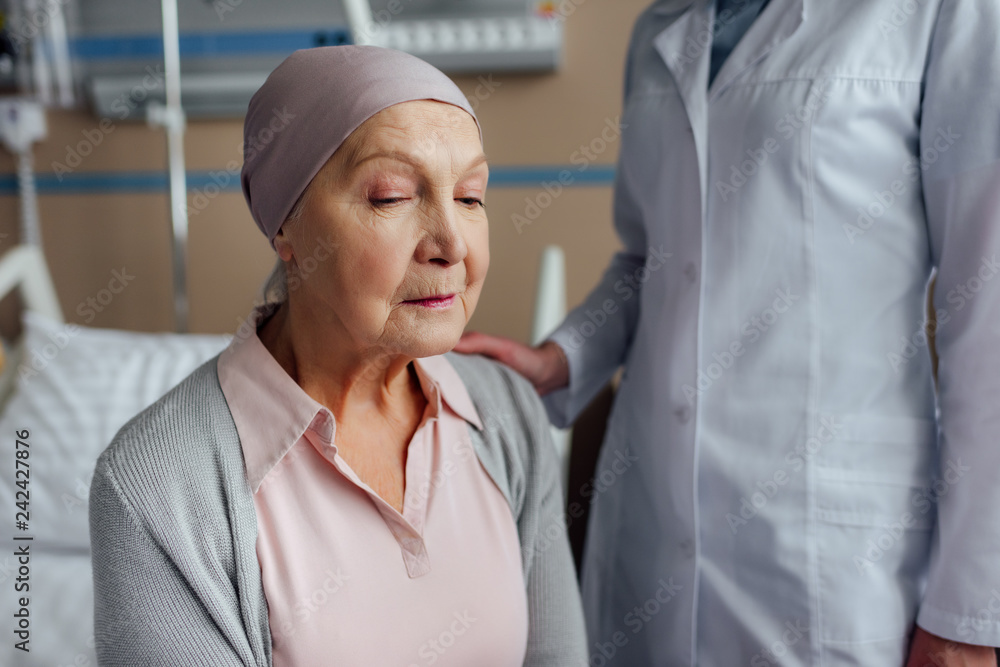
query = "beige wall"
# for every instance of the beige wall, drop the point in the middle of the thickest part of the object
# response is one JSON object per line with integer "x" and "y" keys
{"x": 527, "y": 120}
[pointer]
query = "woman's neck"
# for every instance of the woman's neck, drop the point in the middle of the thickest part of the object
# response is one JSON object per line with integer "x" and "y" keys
{"x": 354, "y": 382}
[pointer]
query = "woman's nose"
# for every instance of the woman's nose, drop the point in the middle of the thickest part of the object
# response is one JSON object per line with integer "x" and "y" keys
{"x": 443, "y": 241}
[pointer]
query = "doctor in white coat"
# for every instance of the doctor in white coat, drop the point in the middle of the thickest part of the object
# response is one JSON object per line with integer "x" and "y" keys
{"x": 782, "y": 482}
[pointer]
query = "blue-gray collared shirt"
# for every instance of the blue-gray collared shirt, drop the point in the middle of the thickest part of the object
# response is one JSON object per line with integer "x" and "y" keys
{"x": 732, "y": 19}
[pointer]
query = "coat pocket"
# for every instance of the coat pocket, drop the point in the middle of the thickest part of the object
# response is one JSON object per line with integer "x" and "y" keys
{"x": 874, "y": 514}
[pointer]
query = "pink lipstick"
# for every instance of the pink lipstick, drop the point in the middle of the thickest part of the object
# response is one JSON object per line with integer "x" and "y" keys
{"x": 438, "y": 301}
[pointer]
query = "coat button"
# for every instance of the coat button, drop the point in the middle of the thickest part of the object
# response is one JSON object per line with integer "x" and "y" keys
{"x": 691, "y": 272}
{"x": 687, "y": 548}
{"x": 683, "y": 413}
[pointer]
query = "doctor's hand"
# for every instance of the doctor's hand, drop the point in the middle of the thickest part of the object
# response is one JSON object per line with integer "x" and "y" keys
{"x": 927, "y": 650}
{"x": 544, "y": 366}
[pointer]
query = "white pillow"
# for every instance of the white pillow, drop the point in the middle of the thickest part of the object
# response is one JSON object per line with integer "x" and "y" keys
{"x": 76, "y": 387}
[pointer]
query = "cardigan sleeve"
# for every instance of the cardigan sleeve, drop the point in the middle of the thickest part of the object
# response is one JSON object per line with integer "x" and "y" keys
{"x": 557, "y": 636}
{"x": 145, "y": 611}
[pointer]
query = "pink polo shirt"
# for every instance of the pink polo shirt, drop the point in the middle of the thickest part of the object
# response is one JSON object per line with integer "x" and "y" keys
{"x": 348, "y": 579}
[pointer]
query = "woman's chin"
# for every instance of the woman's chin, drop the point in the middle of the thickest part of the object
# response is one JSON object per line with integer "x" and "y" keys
{"x": 432, "y": 344}
{"x": 434, "y": 335}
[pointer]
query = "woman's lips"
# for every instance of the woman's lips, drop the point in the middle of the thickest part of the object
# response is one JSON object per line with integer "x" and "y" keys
{"x": 437, "y": 301}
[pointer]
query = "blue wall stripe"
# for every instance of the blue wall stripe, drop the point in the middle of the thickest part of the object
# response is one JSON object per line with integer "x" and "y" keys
{"x": 534, "y": 177}
{"x": 137, "y": 182}
{"x": 207, "y": 44}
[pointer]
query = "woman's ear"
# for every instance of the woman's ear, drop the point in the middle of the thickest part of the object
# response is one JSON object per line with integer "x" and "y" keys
{"x": 282, "y": 241}
{"x": 282, "y": 245}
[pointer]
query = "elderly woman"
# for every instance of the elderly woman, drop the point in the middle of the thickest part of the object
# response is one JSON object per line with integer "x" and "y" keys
{"x": 337, "y": 488}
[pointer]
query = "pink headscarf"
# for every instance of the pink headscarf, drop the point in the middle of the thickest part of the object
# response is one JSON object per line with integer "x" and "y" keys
{"x": 310, "y": 104}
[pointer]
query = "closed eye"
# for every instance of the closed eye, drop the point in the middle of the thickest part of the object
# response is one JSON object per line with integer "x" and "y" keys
{"x": 387, "y": 202}
{"x": 471, "y": 201}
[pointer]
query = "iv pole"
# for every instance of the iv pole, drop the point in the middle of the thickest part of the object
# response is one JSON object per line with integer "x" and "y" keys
{"x": 171, "y": 117}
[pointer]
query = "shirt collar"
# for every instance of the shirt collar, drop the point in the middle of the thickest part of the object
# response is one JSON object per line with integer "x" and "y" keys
{"x": 271, "y": 411}
{"x": 440, "y": 380}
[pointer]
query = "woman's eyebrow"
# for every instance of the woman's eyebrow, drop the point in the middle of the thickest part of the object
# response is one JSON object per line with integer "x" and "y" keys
{"x": 390, "y": 155}
{"x": 481, "y": 159}
{"x": 409, "y": 159}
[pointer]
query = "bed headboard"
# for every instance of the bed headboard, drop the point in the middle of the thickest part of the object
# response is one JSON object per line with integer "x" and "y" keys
{"x": 24, "y": 266}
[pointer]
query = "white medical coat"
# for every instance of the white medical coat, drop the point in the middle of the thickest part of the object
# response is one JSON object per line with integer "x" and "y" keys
{"x": 780, "y": 482}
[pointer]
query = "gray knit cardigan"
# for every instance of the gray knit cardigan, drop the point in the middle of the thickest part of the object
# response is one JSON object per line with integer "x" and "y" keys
{"x": 173, "y": 528}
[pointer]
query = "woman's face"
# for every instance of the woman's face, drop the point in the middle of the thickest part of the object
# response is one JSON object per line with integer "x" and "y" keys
{"x": 392, "y": 245}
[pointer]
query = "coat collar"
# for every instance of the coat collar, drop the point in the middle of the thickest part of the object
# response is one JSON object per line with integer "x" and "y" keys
{"x": 779, "y": 21}
{"x": 686, "y": 47}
